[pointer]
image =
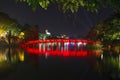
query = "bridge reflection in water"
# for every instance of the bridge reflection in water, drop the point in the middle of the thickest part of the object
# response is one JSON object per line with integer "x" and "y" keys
{"x": 60, "y": 47}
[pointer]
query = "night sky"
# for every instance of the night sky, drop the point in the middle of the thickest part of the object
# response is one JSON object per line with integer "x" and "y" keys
{"x": 53, "y": 20}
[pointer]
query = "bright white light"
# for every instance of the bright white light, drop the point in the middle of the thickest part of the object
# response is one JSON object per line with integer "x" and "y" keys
{"x": 79, "y": 43}
{"x": 66, "y": 43}
{"x": 102, "y": 56}
{"x": 3, "y": 34}
{"x": 48, "y": 33}
{"x": 84, "y": 43}
{"x": 72, "y": 43}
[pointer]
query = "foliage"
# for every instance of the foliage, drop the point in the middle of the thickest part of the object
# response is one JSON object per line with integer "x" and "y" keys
{"x": 7, "y": 24}
{"x": 110, "y": 28}
{"x": 73, "y": 5}
{"x": 107, "y": 31}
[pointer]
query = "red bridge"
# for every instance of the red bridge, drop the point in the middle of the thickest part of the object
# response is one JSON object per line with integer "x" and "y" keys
{"x": 59, "y": 44}
{"x": 63, "y": 47}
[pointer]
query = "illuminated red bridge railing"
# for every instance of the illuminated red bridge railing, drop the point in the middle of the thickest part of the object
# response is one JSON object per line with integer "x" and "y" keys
{"x": 58, "y": 44}
{"x": 63, "y": 47}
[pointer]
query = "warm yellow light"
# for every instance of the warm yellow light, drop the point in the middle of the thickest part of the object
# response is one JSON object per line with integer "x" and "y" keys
{"x": 21, "y": 56}
{"x": 1, "y": 31}
{"x": 2, "y": 58}
{"x": 22, "y": 33}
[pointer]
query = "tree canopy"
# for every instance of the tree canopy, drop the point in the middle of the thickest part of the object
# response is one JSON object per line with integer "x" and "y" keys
{"x": 7, "y": 24}
{"x": 108, "y": 30}
{"x": 73, "y": 5}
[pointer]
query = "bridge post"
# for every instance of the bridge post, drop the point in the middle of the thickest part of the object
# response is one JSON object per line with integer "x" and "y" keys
{"x": 82, "y": 46}
{"x": 51, "y": 46}
{"x": 69, "y": 46}
{"x": 39, "y": 46}
{"x": 57, "y": 46}
{"x": 75, "y": 46}
{"x": 45, "y": 46}
{"x": 62, "y": 46}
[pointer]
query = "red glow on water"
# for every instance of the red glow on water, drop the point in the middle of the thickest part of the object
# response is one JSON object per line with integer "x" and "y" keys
{"x": 56, "y": 52}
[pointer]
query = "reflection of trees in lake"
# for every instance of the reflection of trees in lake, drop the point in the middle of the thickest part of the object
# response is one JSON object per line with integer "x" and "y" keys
{"x": 9, "y": 57}
{"x": 109, "y": 67}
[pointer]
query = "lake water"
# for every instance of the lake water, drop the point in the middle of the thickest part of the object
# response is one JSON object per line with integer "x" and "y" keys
{"x": 30, "y": 64}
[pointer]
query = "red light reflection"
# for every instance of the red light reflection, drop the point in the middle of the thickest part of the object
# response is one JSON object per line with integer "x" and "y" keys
{"x": 57, "y": 52}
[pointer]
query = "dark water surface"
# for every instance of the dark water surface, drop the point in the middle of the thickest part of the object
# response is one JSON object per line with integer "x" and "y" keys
{"x": 18, "y": 64}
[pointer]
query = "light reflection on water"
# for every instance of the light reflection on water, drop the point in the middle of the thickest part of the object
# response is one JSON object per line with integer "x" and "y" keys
{"x": 107, "y": 66}
{"x": 9, "y": 57}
